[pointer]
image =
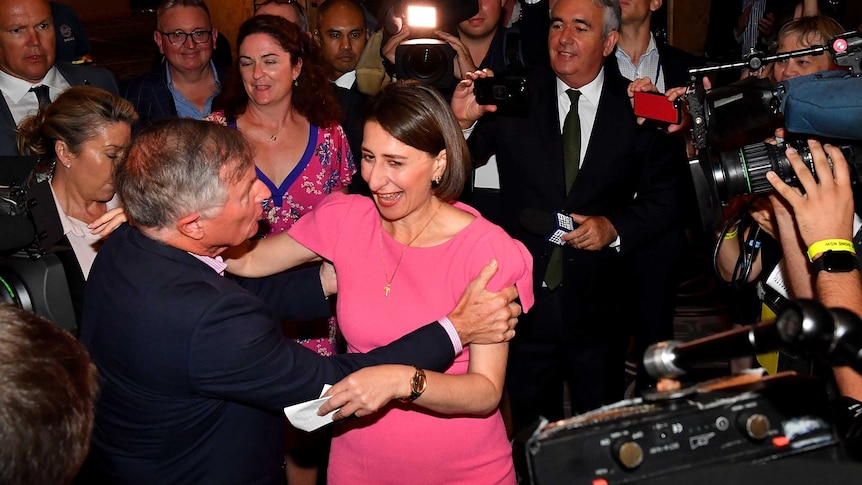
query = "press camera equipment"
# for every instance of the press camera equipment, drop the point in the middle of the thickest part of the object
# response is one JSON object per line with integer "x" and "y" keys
{"x": 719, "y": 425}
{"x": 730, "y": 122}
{"x": 743, "y": 171}
{"x": 33, "y": 269}
{"x": 805, "y": 328}
{"x": 423, "y": 57}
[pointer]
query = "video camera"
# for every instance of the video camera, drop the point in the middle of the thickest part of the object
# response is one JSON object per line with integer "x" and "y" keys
{"x": 33, "y": 269}
{"x": 423, "y": 57}
{"x": 728, "y": 120}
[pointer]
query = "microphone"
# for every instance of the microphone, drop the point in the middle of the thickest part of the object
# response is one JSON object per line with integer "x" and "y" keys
{"x": 549, "y": 225}
{"x": 16, "y": 232}
{"x": 826, "y": 104}
{"x": 805, "y": 327}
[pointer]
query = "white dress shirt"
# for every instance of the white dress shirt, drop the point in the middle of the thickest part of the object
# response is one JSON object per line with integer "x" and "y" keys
{"x": 649, "y": 65}
{"x": 21, "y": 101}
{"x": 588, "y": 105}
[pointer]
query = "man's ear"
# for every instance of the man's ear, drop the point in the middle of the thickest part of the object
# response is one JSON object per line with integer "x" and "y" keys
{"x": 190, "y": 226}
{"x": 655, "y": 5}
{"x": 214, "y": 38}
{"x": 610, "y": 42}
{"x": 158, "y": 38}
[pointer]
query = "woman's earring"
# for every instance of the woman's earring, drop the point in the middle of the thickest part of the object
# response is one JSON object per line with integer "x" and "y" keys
{"x": 436, "y": 182}
{"x": 295, "y": 82}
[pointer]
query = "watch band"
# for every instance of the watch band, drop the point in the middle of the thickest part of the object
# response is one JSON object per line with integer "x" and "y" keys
{"x": 835, "y": 262}
{"x": 417, "y": 385}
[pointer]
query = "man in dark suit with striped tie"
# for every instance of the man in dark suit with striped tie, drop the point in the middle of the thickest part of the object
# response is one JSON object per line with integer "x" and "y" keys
{"x": 28, "y": 68}
{"x": 577, "y": 151}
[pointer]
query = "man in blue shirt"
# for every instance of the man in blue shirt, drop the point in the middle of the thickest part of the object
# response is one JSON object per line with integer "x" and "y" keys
{"x": 185, "y": 84}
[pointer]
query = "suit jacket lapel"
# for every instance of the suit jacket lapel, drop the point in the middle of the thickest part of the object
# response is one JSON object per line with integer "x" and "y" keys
{"x": 71, "y": 75}
{"x": 550, "y": 137}
{"x": 603, "y": 140}
{"x": 7, "y": 129}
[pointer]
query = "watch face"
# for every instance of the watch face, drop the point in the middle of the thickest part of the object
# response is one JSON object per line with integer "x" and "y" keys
{"x": 836, "y": 262}
{"x": 420, "y": 383}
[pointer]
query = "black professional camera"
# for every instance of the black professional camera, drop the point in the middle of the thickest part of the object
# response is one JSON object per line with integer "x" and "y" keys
{"x": 728, "y": 121}
{"x": 428, "y": 60}
{"x": 743, "y": 171}
{"x": 36, "y": 274}
{"x": 424, "y": 58}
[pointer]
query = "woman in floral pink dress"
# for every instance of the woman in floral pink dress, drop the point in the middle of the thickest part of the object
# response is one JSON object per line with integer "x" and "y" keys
{"x": 287, "y": 110}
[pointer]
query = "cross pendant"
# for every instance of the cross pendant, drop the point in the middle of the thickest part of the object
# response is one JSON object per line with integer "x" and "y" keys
{"x": 386, "y": 290}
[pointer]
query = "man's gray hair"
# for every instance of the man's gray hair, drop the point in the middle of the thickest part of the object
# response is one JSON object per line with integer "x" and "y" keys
{"x": 169, "y": 4}
{"x": 612, "y": 17}
{"x": 179, "y": 167}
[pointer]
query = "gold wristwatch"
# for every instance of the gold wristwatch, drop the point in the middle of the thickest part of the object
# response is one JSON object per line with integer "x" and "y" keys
{"x": 417, "y": 386}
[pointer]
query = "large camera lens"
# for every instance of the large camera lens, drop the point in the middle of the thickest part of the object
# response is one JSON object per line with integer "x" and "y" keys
{"x": 743, "y": 171}
{"x": 428, "y": 60}
{"x": 425, "y": 62}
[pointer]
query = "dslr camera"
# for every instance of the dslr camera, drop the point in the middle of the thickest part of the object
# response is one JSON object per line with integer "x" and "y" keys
{"x": 423, "y": 57}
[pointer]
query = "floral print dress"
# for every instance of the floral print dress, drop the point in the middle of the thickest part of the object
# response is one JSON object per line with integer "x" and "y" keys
{"x": 326, "y": 166}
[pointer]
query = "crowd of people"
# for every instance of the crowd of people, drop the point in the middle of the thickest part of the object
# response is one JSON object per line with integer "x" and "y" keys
{"x": 217, "y": 209}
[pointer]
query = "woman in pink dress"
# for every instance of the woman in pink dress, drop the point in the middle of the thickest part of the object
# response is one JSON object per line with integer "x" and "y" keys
{"x": 405, "y": 257}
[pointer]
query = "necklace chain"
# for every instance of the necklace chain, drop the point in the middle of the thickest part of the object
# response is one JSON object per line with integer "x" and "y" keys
{"x": 274, "y": 135}
{"x": 389, "y": 279}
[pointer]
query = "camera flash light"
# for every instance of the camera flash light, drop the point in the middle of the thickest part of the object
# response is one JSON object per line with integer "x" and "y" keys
{"x": 420, "y": 16}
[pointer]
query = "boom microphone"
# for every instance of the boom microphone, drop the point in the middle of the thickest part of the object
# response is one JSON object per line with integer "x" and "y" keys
{"x": 805, "y": 327}
{"x": 16, "y": 232}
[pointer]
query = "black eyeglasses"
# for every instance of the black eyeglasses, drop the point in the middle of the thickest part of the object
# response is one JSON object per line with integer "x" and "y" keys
{"x": 178, "y": 37}
{"x": 261, "y": 3}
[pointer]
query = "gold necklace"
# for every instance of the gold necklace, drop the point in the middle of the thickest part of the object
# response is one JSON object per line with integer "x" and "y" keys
{"x": 388, "y": 286}
{"x": 273, "y": 137}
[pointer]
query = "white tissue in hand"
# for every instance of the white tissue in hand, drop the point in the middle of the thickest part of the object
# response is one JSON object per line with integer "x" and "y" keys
{"x": 304, "y": 415}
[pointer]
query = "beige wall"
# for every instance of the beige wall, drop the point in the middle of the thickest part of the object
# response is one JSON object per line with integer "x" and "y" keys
{"x": 228, "y": 15}
{"x": 687, "y": 24}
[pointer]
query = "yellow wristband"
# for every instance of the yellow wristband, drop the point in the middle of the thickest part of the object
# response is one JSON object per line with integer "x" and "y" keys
{"x": 732, "y": 234}
{"x": 830, "y": 245}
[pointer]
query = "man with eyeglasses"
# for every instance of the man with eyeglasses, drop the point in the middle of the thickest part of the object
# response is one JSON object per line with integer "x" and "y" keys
{"x": 185, "y": 84}
{"x": 29, "y": 75}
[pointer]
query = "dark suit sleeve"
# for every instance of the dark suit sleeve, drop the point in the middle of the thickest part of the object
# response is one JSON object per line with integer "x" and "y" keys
{"x": 481, "y": 140}
{"x": 238, "y": 353}
{"x": 655, "y": 207}
{"x": 102, "y": 78}
{"x": 291, "y": 295}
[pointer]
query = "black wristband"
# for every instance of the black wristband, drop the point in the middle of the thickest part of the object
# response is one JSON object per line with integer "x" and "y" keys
{"x": 835, "y": 262}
